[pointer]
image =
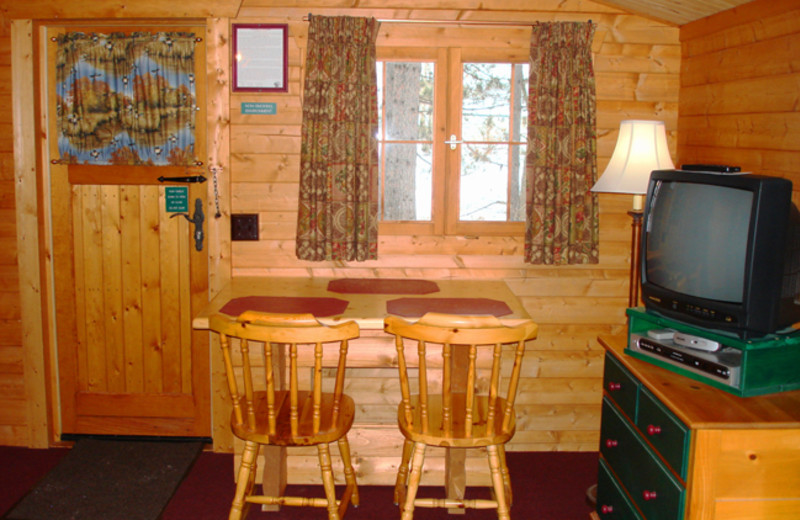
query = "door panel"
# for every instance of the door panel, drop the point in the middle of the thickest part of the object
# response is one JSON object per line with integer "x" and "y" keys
{"x": 136, "y": 283}
{"x": 127, "y": 282}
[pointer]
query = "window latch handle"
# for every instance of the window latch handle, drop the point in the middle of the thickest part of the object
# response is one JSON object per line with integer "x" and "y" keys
{"x": 453, "y": 141}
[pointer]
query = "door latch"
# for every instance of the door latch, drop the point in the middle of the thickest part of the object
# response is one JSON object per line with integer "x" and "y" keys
{"x": 197, "y": 219}
{"x": 189, "y": 179}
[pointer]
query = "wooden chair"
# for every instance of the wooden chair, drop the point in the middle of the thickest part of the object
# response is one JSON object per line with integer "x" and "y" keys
{"x": 293, "y": 417}
{"x": 480, "y": 414}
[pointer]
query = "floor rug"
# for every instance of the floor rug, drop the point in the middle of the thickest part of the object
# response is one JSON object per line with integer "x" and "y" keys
{"x": 103, "y": 479}
{"x": 548, "y": 485}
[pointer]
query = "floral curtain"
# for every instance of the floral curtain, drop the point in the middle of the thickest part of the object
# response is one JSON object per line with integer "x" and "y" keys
{"x": 338, "y": 210}
{"x": 561, "y": 165}
{"x": 126, "y": 98}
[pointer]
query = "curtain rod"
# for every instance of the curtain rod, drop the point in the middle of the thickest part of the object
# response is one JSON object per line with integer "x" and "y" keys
{"x": 450, "y": 22}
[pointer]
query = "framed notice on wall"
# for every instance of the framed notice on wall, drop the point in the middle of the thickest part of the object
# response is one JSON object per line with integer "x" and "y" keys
{"x": 260, "y": 58}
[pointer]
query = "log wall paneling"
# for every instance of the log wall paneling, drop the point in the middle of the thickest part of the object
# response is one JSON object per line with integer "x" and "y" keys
{"x": 28, "y": 422}
{"x": 219, "y": 244}
{"x": 13, "y": 405}
{"x": 740, "y": 89}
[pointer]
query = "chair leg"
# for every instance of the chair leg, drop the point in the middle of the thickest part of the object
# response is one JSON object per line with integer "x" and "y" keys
{"x": 402, "y": 472}
{"x": 349, "y": 472}
{"x": 497, "y": 483}
{"x": 327, "y": 480}
{"x": 244, "y": 482}
{"x": 417, "y": 459}
{"x": 501, "y": 451}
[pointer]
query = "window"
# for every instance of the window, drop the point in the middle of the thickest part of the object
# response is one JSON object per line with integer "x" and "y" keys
{"x": 452, "y": 144}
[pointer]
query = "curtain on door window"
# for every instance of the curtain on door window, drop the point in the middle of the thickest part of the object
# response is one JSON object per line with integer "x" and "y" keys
{"x": 338, "y": 209}
{"x": 561, "y": 166}
{"x": 126, "y": 98}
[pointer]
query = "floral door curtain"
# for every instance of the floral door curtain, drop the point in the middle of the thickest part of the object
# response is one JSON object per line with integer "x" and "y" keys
{"x": 561, "y": 164}
{"x": 338, "y": 209}
{"x": 126, "y": 99}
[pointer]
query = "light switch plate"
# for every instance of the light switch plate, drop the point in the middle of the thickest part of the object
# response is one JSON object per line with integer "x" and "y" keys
{"x": 244, "y": 226}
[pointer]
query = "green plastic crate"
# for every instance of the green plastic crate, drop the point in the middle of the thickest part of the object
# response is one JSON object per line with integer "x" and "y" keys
{"x": 769, "y": 365}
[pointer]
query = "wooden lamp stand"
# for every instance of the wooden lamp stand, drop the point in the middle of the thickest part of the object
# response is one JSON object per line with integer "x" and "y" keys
{"x": 636, "y": 252}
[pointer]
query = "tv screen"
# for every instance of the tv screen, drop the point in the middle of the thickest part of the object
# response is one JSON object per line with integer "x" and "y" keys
{"x": 721, "y": 251}
{"x": 706, "y": 257}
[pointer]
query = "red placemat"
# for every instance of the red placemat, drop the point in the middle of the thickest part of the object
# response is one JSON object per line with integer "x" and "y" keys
{"x": 319, "y": 307}
{"x": 414, "y": 307}
{"x": 382, "y": 286}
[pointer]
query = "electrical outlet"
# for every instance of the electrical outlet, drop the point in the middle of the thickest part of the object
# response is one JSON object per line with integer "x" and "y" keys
{"x": 244, "y": 226}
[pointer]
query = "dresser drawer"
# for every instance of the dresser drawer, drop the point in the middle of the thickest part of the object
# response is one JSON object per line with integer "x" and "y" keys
{"x": 664, "y": 431}
{"x": 652, "y": 486}
{"x": 612, "y": 503}
{"x": 621, "y": 386}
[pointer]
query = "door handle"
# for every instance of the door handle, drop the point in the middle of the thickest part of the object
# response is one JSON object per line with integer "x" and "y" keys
{"x": 196, "y": 219}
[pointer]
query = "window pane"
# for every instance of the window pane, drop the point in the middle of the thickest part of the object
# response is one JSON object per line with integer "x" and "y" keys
{"x": 485, "y": 192}
{"x": 484, "y": 182}
{"x": 494, "y": 118}
{"x": 408, "y": 101}
{"x": 485, "y": 104}
{"x": 405, "y": 98}
{"x": 407, "y": 174}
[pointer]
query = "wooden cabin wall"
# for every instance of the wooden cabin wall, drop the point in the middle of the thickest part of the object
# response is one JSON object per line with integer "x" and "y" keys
{"x": 636, "y": 65}
{"x": 740, "y": 90}
{"x": 13, "y": 408}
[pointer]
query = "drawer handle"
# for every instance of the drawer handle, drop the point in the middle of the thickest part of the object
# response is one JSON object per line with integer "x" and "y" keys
{"x": 606, "y": 509}
{"x": 653, "y": 430}
{"x": 614, "y": 386}
{"x": 649, "y": 495}
{"x": 611, "y": 443}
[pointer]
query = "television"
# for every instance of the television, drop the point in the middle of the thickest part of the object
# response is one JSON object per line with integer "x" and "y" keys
{"x": 721, "y": 251}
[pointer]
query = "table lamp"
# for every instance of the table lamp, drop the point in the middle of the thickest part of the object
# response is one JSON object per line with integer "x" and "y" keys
{"x": 641, "y": 148}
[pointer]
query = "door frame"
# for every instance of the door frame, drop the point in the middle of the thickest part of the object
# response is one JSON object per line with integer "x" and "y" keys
{"x": 34, "y": 241}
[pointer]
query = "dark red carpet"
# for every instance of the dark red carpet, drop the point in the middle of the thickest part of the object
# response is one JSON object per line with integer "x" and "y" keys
{"x": 23, "y": 468}
{"x": 546, "y": 485}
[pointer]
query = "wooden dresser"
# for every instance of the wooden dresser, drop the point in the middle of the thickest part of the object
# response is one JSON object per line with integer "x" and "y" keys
{"x": 674, "y": 448}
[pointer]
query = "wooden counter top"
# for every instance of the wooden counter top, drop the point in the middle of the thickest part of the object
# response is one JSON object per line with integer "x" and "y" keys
{"x": 368, "y": 310}
{"x": 702, "y": 406}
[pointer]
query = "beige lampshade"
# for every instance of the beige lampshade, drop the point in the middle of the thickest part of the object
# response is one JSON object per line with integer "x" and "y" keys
{"x": 641, "y": 148}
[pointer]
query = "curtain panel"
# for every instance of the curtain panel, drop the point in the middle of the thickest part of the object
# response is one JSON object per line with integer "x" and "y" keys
{"x": 561, "y": 164}
{"x": 338, "y": 202}
{"x": 126, "y": 99}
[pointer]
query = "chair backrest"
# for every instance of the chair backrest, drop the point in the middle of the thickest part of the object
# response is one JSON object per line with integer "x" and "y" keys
{"x": 269, "y": 330}
{"x": 437, "y": 337}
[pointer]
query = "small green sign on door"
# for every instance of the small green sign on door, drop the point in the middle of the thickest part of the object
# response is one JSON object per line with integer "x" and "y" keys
{"x": 177, "y": 199}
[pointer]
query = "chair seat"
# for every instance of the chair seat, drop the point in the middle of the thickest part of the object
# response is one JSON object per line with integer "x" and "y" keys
{"x": 305, "y": 435}
{"x": 481, "y": 434}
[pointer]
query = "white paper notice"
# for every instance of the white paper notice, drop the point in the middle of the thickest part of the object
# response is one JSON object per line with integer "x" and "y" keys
{"x": 259, "y": 58}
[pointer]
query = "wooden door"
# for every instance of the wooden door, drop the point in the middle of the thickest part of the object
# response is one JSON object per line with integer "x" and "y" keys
{"x": 127, "y": 281}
